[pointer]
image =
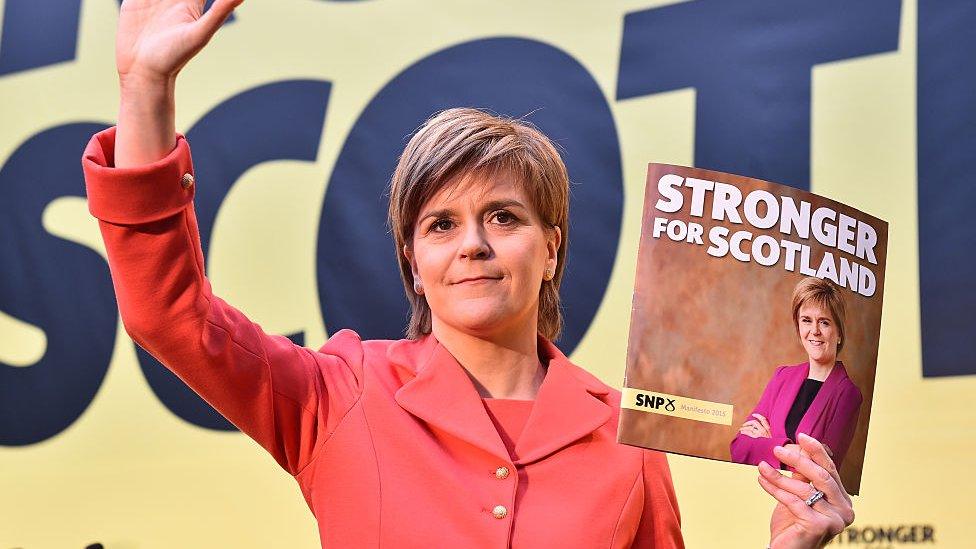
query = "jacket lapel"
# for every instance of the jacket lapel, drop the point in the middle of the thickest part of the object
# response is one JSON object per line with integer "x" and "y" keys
{"x": 437, "y": 390}
{"x": 815, "y": 411}
{"x": 784, "y": 401}
{"x": 441, "y": 394}
{"x": 565, "y": 410}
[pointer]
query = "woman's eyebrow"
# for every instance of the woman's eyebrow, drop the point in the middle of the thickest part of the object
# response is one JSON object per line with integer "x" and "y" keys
{"x": 492, "y": 205}
{"x": 443, "y": 212}
{"x": 503, "y": 203}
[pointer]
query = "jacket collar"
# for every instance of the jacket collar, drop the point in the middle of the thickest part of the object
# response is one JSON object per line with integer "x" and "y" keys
{"x": 830, "y": 385}
{"x": 837, "y": 374}
{"x": 437, "y": 390}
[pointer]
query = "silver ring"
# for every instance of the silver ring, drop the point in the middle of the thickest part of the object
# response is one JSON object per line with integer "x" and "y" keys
{"x": 817, "y": 496}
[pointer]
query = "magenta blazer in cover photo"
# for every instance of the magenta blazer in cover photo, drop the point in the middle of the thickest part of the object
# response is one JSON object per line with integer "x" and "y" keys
{"x": 831, "y": 417}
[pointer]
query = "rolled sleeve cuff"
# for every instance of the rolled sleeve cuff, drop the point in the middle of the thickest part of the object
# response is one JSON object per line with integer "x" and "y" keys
{"x": 141, "y": 194}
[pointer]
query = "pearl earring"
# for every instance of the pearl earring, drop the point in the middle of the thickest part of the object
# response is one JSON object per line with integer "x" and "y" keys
{"x": 418, "y": 287}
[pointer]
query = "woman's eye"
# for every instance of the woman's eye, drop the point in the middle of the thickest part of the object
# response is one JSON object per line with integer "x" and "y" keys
{"x": 442, "y": 225}
{"x": 503, "y": 218}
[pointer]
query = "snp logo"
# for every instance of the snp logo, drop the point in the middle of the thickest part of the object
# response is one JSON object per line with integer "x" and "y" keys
{"x": 656, "y": 402}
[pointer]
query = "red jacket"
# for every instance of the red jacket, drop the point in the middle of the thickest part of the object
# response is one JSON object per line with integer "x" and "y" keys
{"x": 388, "y": 440}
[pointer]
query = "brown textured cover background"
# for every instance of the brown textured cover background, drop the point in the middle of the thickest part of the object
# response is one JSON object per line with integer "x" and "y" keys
{"x": 716, "y": 328}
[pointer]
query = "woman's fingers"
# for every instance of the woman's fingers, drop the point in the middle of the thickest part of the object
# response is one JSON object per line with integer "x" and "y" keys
{"x": 800, "y": 510}
{"x": 764, "y": 423}
{"x": 821, "y": 518}
{"x": 212, "y": 19}
{"x": 754, "y": 429}
{"x": 821, "y": 479}
{"x": 795, "y": 486}
{"x": 813, "y": 471}
{"x": 156, "y": 38}
{"x": 795, "y": 447}
{"x": 819, "y": 454}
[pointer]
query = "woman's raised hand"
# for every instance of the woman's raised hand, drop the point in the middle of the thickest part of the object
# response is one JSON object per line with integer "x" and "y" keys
{"x": 794, "y": 523}
{"x": 156, "y": 38}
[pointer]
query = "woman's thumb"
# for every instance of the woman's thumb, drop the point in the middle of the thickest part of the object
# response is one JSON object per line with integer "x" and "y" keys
{"x": 213, "y": 18}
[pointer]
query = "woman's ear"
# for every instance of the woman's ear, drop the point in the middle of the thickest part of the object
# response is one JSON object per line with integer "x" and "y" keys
{"x": 408, "y": 253}
{"x": 418, "y": 285}
{"x": 553, "y": 240}
{"x": 554, "y": 237}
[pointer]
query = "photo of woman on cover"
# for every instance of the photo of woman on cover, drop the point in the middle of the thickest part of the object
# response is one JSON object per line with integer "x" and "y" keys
{"x": 816, "y": 397}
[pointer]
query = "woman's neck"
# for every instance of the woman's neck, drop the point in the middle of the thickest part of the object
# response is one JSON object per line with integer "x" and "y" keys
{"x": 504, "y": 367}
{"x": 820, "y": 370}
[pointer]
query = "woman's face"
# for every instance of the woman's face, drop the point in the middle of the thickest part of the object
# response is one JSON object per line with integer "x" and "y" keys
{"x": 818, "y": 333}
{"x": 480, "y": 250}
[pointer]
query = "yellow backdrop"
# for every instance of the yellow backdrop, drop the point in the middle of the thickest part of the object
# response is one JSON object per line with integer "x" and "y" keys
{"x": 129, "y": 473}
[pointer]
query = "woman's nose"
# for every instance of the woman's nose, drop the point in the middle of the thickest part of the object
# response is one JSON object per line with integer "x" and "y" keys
{"x": 475, "y": 245}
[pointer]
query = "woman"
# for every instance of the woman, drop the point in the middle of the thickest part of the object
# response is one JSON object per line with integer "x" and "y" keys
{"x": 816, "y": 397}
{"x": 476, "y": 431}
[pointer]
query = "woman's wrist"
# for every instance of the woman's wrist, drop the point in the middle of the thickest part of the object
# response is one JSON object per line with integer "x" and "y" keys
{"x": 147, "y": 120}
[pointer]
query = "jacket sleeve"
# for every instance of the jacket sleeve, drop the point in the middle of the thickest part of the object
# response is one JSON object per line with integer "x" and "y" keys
{"x": 751, "y": 451}
{"x": 843, "y": 423}
{"x": 286, "y": 397}
{"x": 660, "y": 523}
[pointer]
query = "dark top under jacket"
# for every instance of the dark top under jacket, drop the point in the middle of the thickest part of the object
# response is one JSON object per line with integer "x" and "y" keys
{"x": 808, "y": 391}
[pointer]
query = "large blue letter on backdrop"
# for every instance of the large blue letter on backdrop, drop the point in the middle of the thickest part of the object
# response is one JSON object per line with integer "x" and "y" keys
{"x": 750, "y": 63}
{"x": 946, "y": 192}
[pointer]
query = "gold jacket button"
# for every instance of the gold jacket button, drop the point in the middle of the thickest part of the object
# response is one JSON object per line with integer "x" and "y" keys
{"x": 187, "y": 181}
{"x": 501, "y": 473}
{"x": 499, "y": 512}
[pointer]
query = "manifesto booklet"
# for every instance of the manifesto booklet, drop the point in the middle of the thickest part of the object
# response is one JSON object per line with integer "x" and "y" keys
{"x": 756, "y": 317}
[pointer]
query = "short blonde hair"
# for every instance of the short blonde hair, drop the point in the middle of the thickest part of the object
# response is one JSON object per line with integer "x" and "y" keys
{"x": 827, "y": 296}
{"x": 457, "y": 142}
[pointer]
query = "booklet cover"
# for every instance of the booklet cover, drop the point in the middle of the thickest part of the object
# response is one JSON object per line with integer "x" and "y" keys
{"x": 756, "y": 316}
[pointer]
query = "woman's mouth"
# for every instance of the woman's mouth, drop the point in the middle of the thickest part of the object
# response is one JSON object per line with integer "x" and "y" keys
{"x": 478, "y": 280}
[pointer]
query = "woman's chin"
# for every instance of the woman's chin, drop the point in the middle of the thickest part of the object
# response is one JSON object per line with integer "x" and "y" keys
{"x": 480, "y": 322}
{"x": 482, "y": 326}
{"x": 820, "y": 358}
